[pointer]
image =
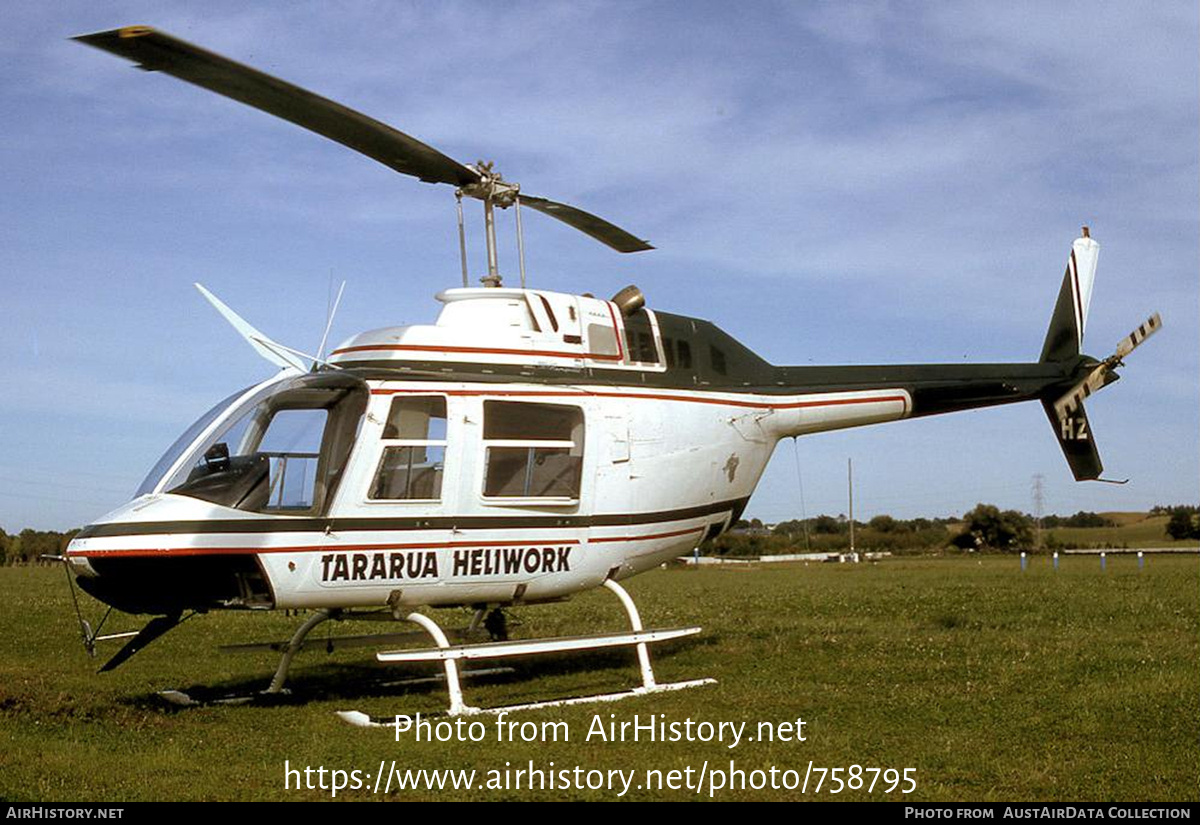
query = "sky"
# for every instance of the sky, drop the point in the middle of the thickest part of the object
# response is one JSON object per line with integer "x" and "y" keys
{"x": 829, "y": 182}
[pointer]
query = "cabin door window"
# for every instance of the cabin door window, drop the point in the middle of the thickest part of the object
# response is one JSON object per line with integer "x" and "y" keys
{"x": 414, "y": 453}
{"x": 532, "y": 450}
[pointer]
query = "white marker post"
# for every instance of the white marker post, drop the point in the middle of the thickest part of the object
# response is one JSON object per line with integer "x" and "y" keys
{"x": 1055, "y": 559}
{"x": 1141, "y": 560}
{"x": 1024, "y": 561}
{"x": 1103, "y": 562}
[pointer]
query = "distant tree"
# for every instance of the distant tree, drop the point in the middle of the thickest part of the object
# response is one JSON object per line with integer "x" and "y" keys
{"x": 987, "y": 527}
{"x": 827, "y": 525}
{"x": 1184, "y": 523}
{"x": 887, "y": 524}
{"x": 793, "y": 527}
{"x": 1085, "y": 519}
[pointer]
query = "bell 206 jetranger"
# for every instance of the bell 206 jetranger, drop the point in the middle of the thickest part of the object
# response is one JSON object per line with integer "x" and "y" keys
{"x": 526, "y": 446}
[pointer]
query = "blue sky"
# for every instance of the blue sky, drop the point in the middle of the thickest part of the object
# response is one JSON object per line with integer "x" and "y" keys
{"x": 829, "y": 182}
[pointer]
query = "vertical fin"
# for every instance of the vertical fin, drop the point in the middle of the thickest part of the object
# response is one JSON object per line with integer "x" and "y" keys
{"x": 1064, "y": 338}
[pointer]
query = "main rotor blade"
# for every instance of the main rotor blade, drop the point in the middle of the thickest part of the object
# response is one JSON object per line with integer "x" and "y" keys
{"x": 155, "y": 51}
{"x": 600, "y": 229}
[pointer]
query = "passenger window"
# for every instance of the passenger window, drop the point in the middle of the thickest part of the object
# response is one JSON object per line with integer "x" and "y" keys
{"x": 678, "y": 353}
{"x": 718, "y": 360}
{"x": 532, "y": 450}
{"x": 684, "y": 360}
{"x": 601, "y": 340}
{"x": 414, "y": 457}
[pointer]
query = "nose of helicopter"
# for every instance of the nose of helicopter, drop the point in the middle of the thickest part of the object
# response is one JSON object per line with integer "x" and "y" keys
{"x": 140, "y": 558}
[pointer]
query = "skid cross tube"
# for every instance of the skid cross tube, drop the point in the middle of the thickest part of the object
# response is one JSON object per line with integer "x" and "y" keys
{"x": 457, "y": 706}
{"x": 635, "y": 622}
{"x": 449, "y": 655}
{"x": 293, "y": 646}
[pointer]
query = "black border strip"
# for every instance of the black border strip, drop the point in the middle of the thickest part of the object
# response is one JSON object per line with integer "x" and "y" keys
{"x": 337, "y": 525}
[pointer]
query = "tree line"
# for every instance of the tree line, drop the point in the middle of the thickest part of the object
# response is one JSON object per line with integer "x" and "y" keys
{"x": 984, "y": 528}
{"x": 27, "y": 545}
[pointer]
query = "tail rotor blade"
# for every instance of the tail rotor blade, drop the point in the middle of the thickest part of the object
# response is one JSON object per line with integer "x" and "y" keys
{"x": 1134, "y": 339}
{"x": 1072, "y": 400}
{"x": 1103, "y": 375}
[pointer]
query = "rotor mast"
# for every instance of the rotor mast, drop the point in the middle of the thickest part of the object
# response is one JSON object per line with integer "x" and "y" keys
{"x": 493, "y": 190}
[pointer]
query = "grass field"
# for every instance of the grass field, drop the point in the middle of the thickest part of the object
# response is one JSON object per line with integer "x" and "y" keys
{"x": 993, "y": 684}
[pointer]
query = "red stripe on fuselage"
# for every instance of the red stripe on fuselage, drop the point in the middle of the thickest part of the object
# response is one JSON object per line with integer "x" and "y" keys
{"x": 352, "y": 548}
{"x": 310, "y": 548}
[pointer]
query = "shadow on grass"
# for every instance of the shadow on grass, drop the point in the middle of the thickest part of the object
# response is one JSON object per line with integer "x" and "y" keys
{"x": 342, "y": 681}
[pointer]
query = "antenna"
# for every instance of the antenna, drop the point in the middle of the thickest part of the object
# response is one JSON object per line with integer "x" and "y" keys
{"x": 328, "y": 324}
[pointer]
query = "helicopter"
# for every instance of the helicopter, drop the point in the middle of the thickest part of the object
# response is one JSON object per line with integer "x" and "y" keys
{"x": 527, "y": 446}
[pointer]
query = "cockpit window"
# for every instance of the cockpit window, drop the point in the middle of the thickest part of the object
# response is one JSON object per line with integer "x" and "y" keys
{"x": 292, "y": 445}
{"x": 282, "y": 450}
{"x": 183, "y": 442}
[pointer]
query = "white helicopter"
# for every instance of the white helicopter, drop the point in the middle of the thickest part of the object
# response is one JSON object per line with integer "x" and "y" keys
{"x": 526, "y": 446}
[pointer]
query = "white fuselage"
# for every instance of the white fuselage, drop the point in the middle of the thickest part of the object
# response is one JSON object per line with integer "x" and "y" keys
{"x": 622, "y": 477}
{"x": 660, "y": 468}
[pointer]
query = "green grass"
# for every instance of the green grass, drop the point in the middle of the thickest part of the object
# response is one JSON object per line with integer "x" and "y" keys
{"x": 994, "y": 684}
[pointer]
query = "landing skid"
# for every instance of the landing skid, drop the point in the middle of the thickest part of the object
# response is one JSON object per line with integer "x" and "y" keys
{"x": 450, "y": 655}
{"x": 183, "y": 699}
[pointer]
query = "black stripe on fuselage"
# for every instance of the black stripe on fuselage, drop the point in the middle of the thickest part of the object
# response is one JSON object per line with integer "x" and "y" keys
{"x": 935, "y": 388}
{"x": 337, "y": 525}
